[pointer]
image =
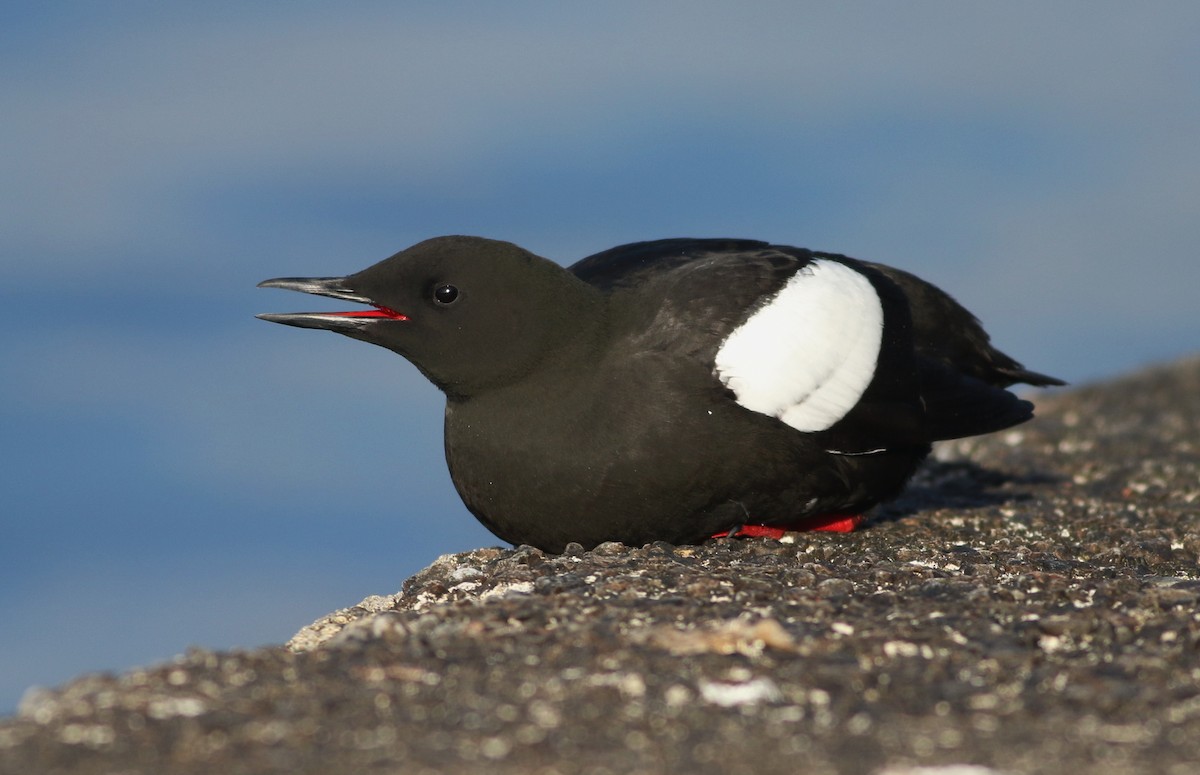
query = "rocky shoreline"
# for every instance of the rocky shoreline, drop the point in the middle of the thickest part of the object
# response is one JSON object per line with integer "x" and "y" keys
{"x": 1030, "y": 605}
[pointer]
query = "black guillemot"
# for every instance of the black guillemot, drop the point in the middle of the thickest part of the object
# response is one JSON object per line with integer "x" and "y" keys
{"x": 676, "y": 389}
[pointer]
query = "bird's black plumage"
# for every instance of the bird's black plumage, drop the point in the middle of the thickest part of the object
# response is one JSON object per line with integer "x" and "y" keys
{"x": 607, "y": 401}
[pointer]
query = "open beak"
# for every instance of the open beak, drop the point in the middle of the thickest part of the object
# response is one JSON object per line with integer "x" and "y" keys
{"x": 335, "y": 288}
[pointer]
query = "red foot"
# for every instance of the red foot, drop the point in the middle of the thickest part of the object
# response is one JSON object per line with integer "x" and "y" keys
{"x": 825, "y": 523}
{"x": 834, "y": 523}
{"x": 755, "y": 531}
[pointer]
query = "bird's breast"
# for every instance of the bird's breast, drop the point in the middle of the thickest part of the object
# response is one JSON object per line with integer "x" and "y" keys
{"x": 607, "y": 458}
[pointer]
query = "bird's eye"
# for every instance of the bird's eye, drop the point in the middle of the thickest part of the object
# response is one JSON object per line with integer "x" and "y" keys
{"x": 445, "y": 294}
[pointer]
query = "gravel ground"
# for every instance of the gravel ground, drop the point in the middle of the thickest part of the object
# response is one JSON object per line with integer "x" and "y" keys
{"x": 1031, "y": 605}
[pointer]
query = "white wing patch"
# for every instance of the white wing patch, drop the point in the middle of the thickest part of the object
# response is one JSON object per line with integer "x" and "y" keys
{"x": 808, "y": 355}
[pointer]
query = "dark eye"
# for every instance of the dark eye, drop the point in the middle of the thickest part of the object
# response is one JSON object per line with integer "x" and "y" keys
{"x": 445, "y": 294}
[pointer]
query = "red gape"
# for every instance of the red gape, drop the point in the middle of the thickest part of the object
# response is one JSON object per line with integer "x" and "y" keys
{"x": 378, "y": 312}
{"x": 824, "y": 523}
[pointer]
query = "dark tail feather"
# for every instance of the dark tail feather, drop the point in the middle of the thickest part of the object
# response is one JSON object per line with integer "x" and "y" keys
{"x": 945, "y": 331}
{"x": 1018, "y": 373}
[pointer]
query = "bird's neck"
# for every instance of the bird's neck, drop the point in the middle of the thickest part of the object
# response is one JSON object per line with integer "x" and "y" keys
{"x": 563, "y": 338}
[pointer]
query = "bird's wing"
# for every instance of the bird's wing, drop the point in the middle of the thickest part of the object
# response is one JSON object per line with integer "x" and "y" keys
{"x": 944, "y": 331}
{"x": 628, "y": 266}
{"x": 785, "y": 332}
{"x": 808, "y": 355}
{"x": 685, "y": 296}
{"x": 862, "y": 355}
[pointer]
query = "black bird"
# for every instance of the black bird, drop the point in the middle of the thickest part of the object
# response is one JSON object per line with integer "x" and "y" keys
{"x": 675, "y": 389}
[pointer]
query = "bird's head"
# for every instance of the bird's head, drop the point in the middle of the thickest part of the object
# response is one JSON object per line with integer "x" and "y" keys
{"x": 470, "y": 313}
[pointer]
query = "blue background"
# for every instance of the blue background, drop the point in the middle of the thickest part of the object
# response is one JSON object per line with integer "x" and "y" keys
{"x": 175, "y": 472}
